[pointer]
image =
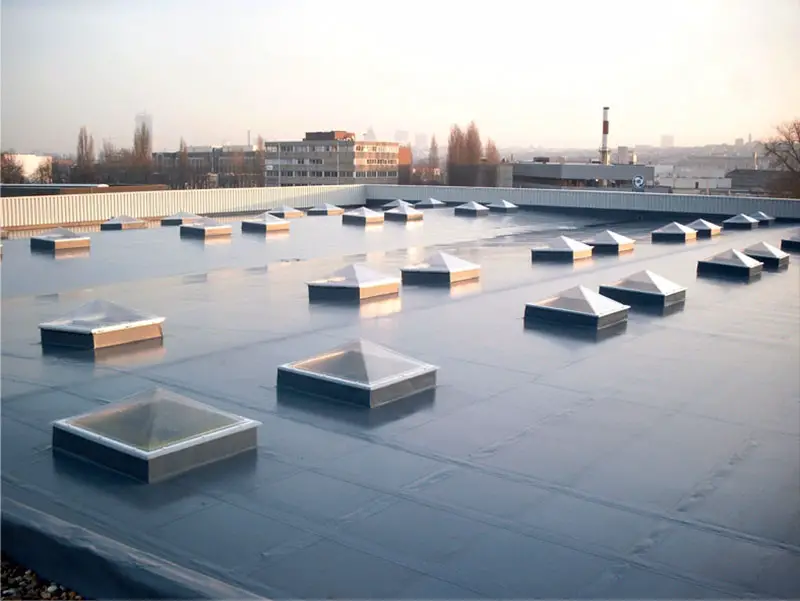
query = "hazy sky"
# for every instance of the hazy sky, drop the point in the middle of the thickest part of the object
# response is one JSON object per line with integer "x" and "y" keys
{"x": 528, "y": 72}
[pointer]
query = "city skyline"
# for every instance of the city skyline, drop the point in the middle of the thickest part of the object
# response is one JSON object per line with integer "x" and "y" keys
{"x": 719, "y": 71}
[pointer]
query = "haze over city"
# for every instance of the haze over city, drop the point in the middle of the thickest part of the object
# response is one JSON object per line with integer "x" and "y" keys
{"x": 528, "y": 73}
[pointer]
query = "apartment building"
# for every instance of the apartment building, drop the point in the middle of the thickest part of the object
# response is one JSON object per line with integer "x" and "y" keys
{"x": 327, "y": 158}
{"x": 226, "y": 166}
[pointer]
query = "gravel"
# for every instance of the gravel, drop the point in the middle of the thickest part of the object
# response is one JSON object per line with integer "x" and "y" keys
{"x": 20, "y": 583}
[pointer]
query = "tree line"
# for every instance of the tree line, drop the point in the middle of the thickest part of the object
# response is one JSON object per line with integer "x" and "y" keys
{"x": 783, "y": 153}
{"x": 469, "y": 161}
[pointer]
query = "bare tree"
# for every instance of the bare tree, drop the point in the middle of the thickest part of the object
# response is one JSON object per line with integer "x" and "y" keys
{"x": 142, "y": 154}
{"x": 455, "y": 155}
{"x": 11, "y": 169}
{"x": 783, "y": 153}
{"x": 183, "y": 167}
{"x": 473, "y": 149}
{"x": 491, "y": 153}
{"x": 85, "y": 160}
{"x": 43, "y": 174}
{"x": 433, "y": 155}
{"x": 260, "y": 162}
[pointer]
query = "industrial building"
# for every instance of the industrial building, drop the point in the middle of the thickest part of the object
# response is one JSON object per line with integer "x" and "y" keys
{"x": 333, "y": 157}
{"x": 538, "y": 174}
{"x": 601, "y": 173}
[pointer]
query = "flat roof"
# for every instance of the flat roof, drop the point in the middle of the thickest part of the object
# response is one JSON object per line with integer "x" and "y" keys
{"x": 662, "y": 462}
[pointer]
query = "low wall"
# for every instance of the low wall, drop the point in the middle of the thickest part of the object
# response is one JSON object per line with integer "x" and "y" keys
{"x": 71, "y": 209}
{"x": 694, "y": 204}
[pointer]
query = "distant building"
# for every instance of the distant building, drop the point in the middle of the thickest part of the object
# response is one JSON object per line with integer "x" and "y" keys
{"x": 401, "y": 136}
{"x": 370, "y": 135}
{"x": 326, "y": 158}
{"x": 213, "y": 166}
{"x": 667, "y": 141}
{"x": 421, "y": 141}
{"x": 754, "y": 181}
{"x": 542, "y": 174}
{"x": 623, "y": 155}
{"x": 739, "y": 142}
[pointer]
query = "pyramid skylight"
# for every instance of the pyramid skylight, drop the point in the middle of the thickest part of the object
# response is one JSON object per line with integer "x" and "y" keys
{"x": 441, "y": 268}
{"x": 702, "y": 224}
{"x": 395, "y": 204}
{"x": 472, "y": 206}
{"x": 286, "y": 212}
{"x": 647, "y": 281}
{"x": 581, "y": 299}
{"x": 770, "y": 256}
{"x": 566, "y": 243}
{"x": 733, "y": 257}
{"x": 356, "y": 276}
{"x": 740, "y": 218}
{"x": 99, "y": 324}
{"x": 404, "y": 212}
{"x": 674, "y": 228}
{"x": 431, "y": 203}
{"x": 161, "y": 433}
{"x": 761, "y": 216}
{"x": 359, "y": 372}
{"x": 123, "y": 219}
{"x": 607, "y": 237}
{"x": 502, "y": 205}
{"x": 326, "y": 209}
{"x": 60, "y": 233}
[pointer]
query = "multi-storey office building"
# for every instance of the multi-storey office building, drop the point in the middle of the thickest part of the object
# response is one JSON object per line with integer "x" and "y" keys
{"x": 325, "y": 158}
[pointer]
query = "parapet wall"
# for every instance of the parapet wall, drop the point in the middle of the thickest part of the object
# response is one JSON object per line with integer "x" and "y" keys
{"x": 73, "y": 209}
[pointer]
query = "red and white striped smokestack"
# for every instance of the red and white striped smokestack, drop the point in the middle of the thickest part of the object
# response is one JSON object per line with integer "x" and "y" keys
{"x": 605, "y": 153}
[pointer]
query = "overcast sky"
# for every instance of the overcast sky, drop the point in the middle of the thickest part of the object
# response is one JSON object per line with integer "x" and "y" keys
{"x": 528, "y": 72}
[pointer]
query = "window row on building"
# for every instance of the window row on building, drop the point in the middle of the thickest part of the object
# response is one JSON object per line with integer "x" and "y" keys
{"x": 340, "y": 174}
{"x": 345, "y": 147}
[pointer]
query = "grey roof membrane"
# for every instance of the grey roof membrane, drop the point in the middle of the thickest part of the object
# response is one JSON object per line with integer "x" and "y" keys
{"x": 702, "y": 224}
{"x": 396, "y": 204}
{"x": 124, "y": 219}
{"x": 100, "y": 316}
{"x": 733, "y": 257}
{"x": 502, "y": 204}
{"x": 740, "y": 218}
{"x": 660, "y": 463}
{"x": 580, "y": 299}
{"x": 60, "y": 233}
{"x": 404, "y": 209}
{"x": 440, "y": 262}
{"x": 647, "y": 281}
{"x": 361, "y": 362}
{"x": 793, "y": 235}
{"x": 564, "y": 243}
{"x": 152, "y": 420}
{"x": 674, "y": 228}
{"x": 355, "y": 276}
{"x": 764, "y": 249}
{"x": 609, "y": 237}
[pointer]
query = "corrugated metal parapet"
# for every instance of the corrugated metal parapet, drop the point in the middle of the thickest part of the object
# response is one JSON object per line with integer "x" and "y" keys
{"x": 693, "y": 204}
{"x": 40, "y": 211}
